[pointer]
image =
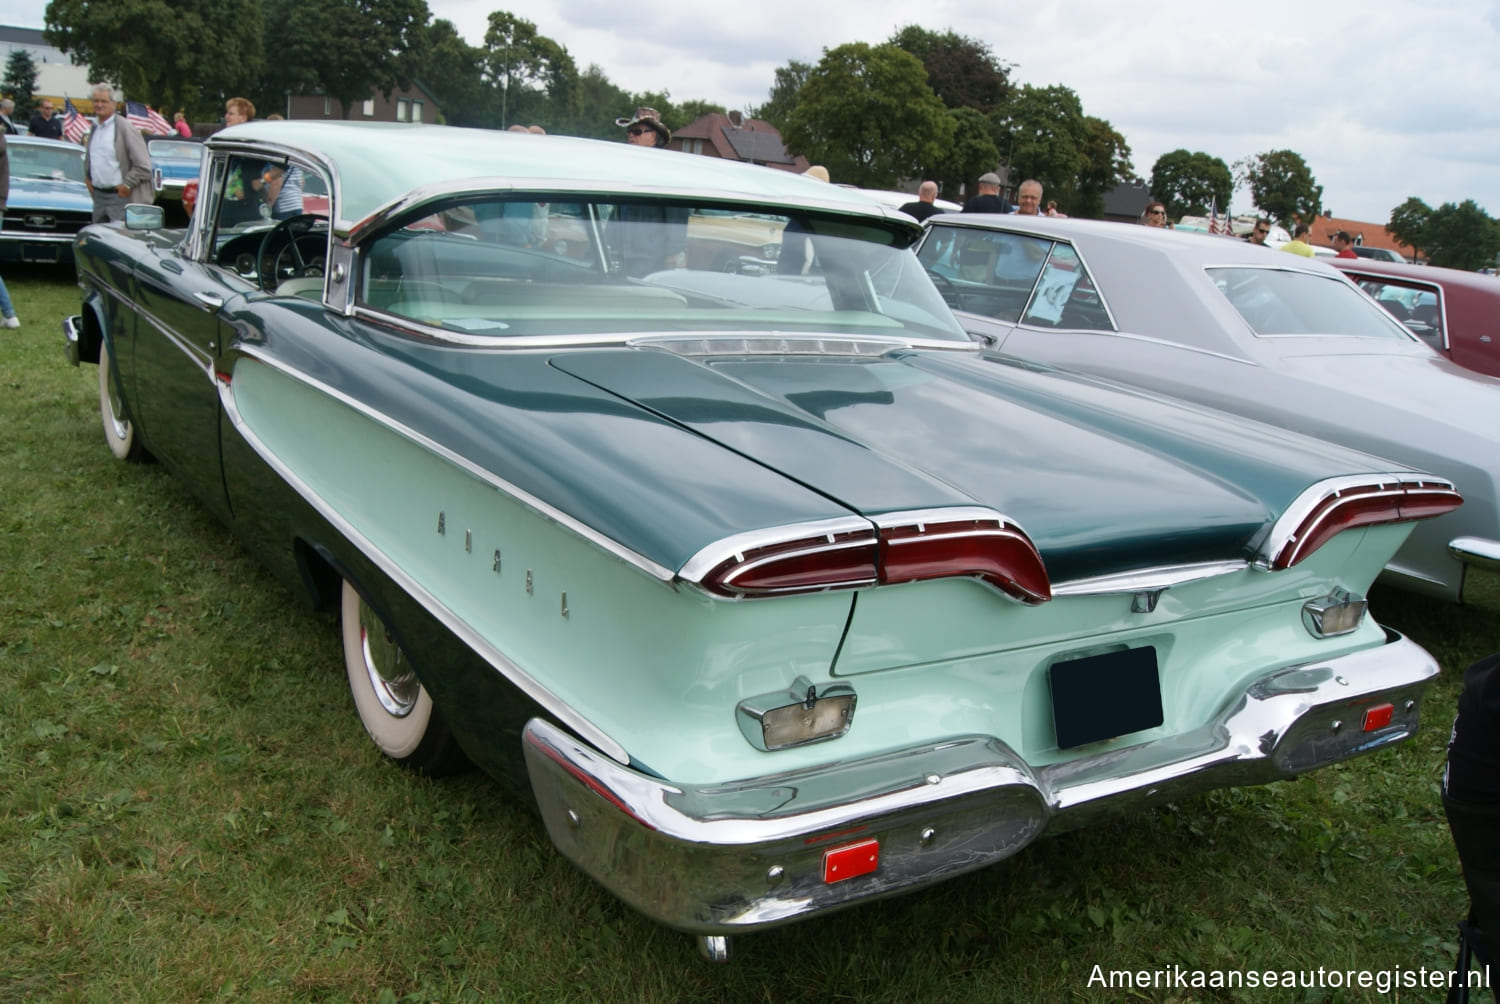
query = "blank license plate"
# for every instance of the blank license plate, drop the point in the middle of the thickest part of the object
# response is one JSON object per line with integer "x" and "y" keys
{"x": 1104, "y": 696}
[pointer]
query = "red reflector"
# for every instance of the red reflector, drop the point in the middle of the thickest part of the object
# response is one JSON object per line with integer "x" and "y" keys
{"x": 847, "y": 862}
{"x": 988, "y": 549}
{"x": 1379, "y": 716}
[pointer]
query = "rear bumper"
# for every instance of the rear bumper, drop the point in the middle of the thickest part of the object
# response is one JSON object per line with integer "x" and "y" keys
{"x": 1480, "y": 552}
{"x": 733, "y": 857}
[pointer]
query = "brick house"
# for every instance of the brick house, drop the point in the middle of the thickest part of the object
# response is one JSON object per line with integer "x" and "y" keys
{"x": 736, "y": 137}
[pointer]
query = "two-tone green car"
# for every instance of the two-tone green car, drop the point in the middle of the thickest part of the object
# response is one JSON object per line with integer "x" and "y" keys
{"x": 771, "y": 588}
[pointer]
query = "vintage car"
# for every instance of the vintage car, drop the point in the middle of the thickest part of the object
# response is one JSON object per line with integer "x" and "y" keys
{"x": 1273, "y": 337}
{"x": 174, "y": 163}
{"x": 1456, "y": 312}
{"x": 49, "y": 202}
{"x": 772, "y": 590}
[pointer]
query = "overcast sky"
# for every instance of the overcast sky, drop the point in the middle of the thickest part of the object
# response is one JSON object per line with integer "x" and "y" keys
{"x": 1383, "y": 98}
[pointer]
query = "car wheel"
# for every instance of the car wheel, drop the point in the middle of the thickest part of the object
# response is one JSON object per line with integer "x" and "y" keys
{"x": 393, "y": 706}
{"x": 119, "y": 433}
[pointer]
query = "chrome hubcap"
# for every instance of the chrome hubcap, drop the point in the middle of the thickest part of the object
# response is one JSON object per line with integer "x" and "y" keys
{"x": 396, "y": 686}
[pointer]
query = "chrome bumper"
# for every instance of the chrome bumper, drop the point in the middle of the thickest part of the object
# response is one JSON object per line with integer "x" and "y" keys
{"x": 72, "y": 330}
{"x": 1477, "y": 551}
{"x": 726, "y": 858}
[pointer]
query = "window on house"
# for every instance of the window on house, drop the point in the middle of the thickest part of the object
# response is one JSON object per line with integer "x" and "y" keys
{"x": 369, "y": 108}
{"x": 416, "y": 111}
{"x": 403, "y": 110}
{"x": 327, "y": 106}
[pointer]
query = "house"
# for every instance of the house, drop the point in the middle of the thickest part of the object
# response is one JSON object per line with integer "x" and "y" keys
{"x": 1369, "y": 234}
{"x": 736, "y": 137}
{"x": 1125, "y": 203}
{"x": 410, "y": 104}
{"x": 56, "y": 76}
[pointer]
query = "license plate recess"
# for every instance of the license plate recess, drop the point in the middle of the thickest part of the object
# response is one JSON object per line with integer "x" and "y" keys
{"x": 1105, "y": 696}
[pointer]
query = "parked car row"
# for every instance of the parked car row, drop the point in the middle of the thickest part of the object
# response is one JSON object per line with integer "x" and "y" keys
{"x": 681, "y": 497}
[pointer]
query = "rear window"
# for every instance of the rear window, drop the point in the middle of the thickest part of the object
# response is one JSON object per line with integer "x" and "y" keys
{"x": 1282, "y": 302}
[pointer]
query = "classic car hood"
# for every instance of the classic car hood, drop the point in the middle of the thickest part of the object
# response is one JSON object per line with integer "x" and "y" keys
{"x": 44, "y": 193}
{"x": 919, "y": 430}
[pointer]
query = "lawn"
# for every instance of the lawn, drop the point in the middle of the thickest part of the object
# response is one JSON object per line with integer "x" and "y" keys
{"x": 192, "y": 812}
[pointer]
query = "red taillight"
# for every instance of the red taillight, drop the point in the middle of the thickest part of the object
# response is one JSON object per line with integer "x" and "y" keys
{"x": 1378, "y": 717}
{"x": 810, "y": 564}
{"x": 1365, "y": 505}
{"x": 987, "y": 549}
{"x": 847, "y": 862}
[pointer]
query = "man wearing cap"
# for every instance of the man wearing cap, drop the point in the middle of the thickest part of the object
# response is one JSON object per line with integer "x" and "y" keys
{"x": 650, "y": 238}
{"x": 988, "y": 200}
{"x": 645, "y": 128}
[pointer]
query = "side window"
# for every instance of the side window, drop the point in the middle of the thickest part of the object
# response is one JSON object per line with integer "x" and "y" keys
{"x": 1066, "y": 296}
{"x": 266, "y": 224}
{"x": 984, "y": 271}
{"x": 1420, "y": 308}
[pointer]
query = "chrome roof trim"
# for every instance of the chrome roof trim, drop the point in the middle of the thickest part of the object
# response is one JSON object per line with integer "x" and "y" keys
{"x": 920, "y": 517}
{"x": 1146, "y": 580}
{"x": 659, "y": 572}
{"x": 481, "y": 645}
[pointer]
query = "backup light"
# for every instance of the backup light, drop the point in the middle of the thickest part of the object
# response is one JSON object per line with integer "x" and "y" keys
{"x": 797, "y": 716}
{"x": 1335, "y": 614}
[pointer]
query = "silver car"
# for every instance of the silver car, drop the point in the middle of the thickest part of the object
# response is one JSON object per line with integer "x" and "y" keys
{"x": 1274, "y": 337}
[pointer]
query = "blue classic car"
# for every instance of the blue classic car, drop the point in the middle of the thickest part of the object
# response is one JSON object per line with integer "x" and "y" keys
{"x": 48, "y": 204}
{"x": 174, "y": 163}
{"x": 769, "y": 587}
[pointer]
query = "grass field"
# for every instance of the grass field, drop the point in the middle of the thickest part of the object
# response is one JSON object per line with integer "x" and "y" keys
{"x": 190, "y": 811}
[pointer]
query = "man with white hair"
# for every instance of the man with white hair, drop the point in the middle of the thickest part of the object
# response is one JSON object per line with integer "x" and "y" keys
{"x": 118, "y": 166}
{"x": 7, "y": 109}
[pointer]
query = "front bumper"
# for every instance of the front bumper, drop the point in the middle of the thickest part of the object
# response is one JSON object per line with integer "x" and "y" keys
{"x": 19, "y": 246}
{"x": 728, "y": 858}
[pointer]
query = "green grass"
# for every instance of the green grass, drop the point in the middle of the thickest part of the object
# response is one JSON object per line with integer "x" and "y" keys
{"x": 191, "y": 811}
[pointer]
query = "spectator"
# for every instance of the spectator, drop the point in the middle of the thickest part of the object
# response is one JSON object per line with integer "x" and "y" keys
{"x": 1344, "y": 245}
{"x": 281, "y": 187}
{"x": 1260, "y": 233}
{"x": 1155, "y": 215}
{"x": 645, "y": 128}
{"x": 988, "y": 200}
{"x": 45, "y": 123}
{"x": 180, "y": 123}
{"x": 1298, "y": 244}
{"x": 7, "y": 109}
{"x": 925, "y": 205}
{"x": 118, "y": 166}
{"x": 1053, "y": 211}
{"x": 1029, "y": 198}
{"x": 8, "y": 318}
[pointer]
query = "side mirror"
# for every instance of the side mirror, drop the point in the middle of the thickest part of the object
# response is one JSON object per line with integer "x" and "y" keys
{"x": 139, "y": 216}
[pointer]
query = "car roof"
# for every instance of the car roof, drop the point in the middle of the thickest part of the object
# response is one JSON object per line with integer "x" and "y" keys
{"x": 1422, "y": 273}
{"x": 379, "y": 168}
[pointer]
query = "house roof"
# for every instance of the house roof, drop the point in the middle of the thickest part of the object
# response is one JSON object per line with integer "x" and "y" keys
{"x": 1374, "y": 235}
{"x": 754, "y": 140}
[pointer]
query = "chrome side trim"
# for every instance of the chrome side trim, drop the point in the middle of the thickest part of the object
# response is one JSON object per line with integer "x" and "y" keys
{"x": 709, "y": 344}
{"x": 921, "y": 517}
{"x": 1478, "y": 551}
{"x": 562, "y": 519}
{"x": 517, "y": 676}
{"x": 1147, "y": 580}
{"x": 748, "y": 854}
{"x": 1305, "y": 504}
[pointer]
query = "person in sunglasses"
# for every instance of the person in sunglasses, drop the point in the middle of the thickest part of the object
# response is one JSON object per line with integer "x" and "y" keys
{"x": 649, "y": 237}
{"x": 645, "y": 128}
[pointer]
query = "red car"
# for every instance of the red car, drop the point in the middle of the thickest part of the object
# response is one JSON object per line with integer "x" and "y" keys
{"x": 1457, "y": 313}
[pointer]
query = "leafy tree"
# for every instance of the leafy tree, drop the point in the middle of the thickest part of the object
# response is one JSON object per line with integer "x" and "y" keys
{"x": 529, "y": 70}
{"x": 1409, "y": 220}
{"x": 1190, "y": 184}
{"x": 1042, "y": 134}
{"x": 453, "y": 71}
{"x": 1109, "y": 165}
{"x": 20, "y": 82}
{"x": 1282, "y": 186}
{"x": 961, "y": 71}
{"x": 1460, "y": 236}
{"x": 783, "y": 96}
{"x": 598, "y": 102}
{"x": 867, "y": 115}
{"x": 971, "y": 154}
{"x": 183, "y": 53}
{"x": 691, "y": 111}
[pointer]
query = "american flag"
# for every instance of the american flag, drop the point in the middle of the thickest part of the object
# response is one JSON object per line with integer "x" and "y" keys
{"x": 147, "y": 120}
{"x": 75, "y": 126}
{"x": 1219, "y": 224}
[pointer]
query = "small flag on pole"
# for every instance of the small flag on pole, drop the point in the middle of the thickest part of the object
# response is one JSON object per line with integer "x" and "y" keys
{"x": 147, "y": 120}
{"x": 75, "y": 126}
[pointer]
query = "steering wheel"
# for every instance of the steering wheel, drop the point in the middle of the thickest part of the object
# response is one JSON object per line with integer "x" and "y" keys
{"x": 280, "y": 259}
{"x": 947, "y": 289}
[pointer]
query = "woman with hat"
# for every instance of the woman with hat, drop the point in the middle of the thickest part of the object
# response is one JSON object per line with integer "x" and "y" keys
{"x": 645, "y": 128}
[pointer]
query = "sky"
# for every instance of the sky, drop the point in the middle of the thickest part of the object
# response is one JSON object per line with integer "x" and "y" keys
{"x": 1384, "y": 99}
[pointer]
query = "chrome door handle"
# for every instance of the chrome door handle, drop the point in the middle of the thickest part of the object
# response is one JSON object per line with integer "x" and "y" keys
{"x": 210, "y": 301}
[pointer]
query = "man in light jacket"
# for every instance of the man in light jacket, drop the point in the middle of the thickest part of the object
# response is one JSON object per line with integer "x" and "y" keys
{"x": 118, "y": 164}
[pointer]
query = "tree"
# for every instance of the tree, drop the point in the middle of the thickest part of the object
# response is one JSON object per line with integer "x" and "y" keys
{"x": 867, "y": 115}
{"x": 1042, "y": 134}
{"x": 20, "y": 82}
{"x": 1460, "y": 235}
{"x": 971, "y": 153}
{"x": 783, "y": 95}
{"x": 184, "y": 53}
{"x": 961, "y": 71}
{"x": 1282, "y": 186}
{"x": 529, "y": 70}
{"x": 1190, "y": 184}
{"x": 1109, "y": 165}
{"x": 598, "y": 102}
{"x": 1408, "y": 220}
{"x": 452, "y": 70}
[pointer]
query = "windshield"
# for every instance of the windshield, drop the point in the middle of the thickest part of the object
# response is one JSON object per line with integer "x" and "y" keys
{"x": 1282, "y": 302}
{"x": 50, "y": 162}
{"x": 509, "y": 267}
